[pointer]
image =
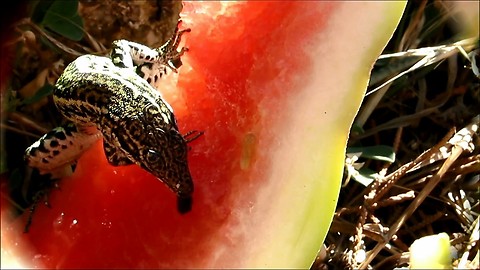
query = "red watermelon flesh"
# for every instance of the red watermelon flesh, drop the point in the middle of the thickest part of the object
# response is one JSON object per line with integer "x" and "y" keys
{"x": 275, "y": 87}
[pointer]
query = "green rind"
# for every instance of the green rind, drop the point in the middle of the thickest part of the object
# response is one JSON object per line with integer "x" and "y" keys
{"x": 294, "y": 229}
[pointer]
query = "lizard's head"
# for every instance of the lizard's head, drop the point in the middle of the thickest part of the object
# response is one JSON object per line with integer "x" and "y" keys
{"x": 150, "y": 138}
{"x": 164, "y": 154}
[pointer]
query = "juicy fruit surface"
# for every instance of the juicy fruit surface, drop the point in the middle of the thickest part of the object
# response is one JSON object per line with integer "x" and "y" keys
{"x": 106, "y": 216}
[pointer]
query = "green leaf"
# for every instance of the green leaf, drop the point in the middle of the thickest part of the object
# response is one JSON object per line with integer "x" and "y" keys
{"x": 39, "y": 9}
{"x": 62, "y": 17}
{"x": 377, "y": 152}
{"x": 363, "y": 176}
{"x": 45, "y": 91}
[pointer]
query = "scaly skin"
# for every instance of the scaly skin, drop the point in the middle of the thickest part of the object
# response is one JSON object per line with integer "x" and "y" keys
{"x": 113, "y": 97}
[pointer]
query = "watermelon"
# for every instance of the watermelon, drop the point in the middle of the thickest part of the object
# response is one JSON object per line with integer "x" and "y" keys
{"x": 274, "y": 86}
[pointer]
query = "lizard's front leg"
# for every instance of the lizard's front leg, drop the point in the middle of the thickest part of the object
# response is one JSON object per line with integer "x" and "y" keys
{"x": 57, "y": 150}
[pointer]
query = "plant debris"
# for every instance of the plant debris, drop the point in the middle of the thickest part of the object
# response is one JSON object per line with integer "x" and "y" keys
{"x": 420, "y": 94}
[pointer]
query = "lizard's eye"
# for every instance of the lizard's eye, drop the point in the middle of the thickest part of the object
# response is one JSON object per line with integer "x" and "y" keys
{"x": 152, "y": 156}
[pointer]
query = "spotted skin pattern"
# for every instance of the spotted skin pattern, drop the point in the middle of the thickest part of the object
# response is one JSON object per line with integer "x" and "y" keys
{"x": 115, "y": 98}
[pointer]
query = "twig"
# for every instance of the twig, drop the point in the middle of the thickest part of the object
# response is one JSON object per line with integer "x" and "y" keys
{"x": 460, "y": 142}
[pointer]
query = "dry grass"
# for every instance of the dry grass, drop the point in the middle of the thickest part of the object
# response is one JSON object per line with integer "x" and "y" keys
{"x": 424, "y": 103}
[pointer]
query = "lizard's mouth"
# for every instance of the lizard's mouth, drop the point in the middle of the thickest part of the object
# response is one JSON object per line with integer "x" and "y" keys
{"x": 184, "y": 204}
